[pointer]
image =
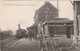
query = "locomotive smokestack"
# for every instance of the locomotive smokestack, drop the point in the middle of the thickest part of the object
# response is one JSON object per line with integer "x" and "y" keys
{"x": 46, "y": 2}
{"x": 19, "y": 26}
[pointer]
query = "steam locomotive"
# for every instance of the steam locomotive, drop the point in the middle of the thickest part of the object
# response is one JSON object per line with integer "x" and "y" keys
{"x": 21, "y": 33}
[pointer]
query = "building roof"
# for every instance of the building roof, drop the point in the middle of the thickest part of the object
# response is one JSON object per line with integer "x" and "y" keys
{"x": 46, "y": 4}
{"x": 33, "y": 26}
{"x": 59, "y": 20}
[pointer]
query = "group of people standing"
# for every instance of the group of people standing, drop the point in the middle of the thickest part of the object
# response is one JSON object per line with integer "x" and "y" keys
{"x": 31, "y": 34}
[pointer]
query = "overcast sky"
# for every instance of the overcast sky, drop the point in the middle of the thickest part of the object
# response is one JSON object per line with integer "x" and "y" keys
{"x": 13, "y": 13}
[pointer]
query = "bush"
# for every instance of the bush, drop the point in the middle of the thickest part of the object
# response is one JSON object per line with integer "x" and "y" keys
{"x": 5, "y": 34}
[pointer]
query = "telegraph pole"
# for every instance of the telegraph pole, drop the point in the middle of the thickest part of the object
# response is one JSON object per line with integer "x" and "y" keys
{"x": 58, "y": 7}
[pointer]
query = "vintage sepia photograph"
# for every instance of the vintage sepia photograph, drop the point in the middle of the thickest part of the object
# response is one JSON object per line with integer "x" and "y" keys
{"x": 39, "y": 25}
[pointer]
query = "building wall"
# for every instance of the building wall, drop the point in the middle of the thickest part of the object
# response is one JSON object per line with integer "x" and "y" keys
{"x": 61, "y": 30}
{"x": 78, "y": 13}
{"x": 46, "y": 11}
{"x": 78, "y": 7}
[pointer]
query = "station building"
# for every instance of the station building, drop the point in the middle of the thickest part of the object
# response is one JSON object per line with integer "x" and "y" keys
{"x": 48, "y": 15}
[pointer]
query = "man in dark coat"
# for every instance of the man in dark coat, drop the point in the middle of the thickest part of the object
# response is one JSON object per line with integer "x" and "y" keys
{"x": 30, "y": 34}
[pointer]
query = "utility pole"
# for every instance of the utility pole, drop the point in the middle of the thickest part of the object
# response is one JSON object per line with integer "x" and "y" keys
{"x": 47, "y": 11}
{"x": 58, "y": 7}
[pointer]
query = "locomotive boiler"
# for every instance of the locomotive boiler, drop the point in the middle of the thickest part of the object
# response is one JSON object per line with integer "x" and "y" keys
{"x": 20, "y": 33}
